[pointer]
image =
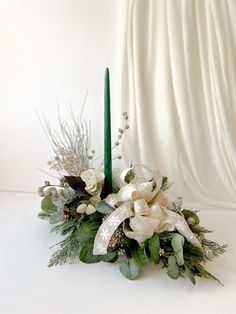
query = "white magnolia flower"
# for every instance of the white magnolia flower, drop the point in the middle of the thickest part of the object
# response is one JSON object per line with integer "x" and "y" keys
{"x": 93, "y": 180}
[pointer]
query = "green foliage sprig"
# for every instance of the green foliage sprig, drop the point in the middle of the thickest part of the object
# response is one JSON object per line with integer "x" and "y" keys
{"x": 168, "y": 249}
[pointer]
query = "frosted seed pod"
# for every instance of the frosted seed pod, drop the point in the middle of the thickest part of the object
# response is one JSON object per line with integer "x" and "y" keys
{"x": 202, "y": 236}
{"x": 196, "y": 228}
{"x": 191, "y": 221}
{"x": 48, "y": 191}
{"x": 90, "y": 209}
{"x": 40, "y": 192}
{"x": 209, "y": 254}
{"x": 81, "y": 208}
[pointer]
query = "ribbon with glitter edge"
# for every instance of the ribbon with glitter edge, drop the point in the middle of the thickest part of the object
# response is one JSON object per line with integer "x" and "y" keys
{"x": 146, "y": 209}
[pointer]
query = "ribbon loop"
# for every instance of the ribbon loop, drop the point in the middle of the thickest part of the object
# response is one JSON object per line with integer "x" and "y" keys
{"x": 145, "y": 205}
{"x": 141, "y": 207}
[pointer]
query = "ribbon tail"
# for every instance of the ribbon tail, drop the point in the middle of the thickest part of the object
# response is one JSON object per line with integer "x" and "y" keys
{"x": 182, "y": 227}
{"x": 109, "y": 226}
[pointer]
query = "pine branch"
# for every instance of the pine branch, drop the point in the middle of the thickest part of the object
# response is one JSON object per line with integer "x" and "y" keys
{"x": 69, "y": 248}
{"x": 67, "y": 226}
{"x": 198, "y": 269}
{"x": 216, "y": 248}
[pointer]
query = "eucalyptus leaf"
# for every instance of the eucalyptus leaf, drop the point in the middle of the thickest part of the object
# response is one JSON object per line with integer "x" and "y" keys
{"x": 86, "y": 253}
{"x": 87, "y": 231}
{"x": 140, "y": 257}
{"x": 59, "y": 201}
{"x": 154, "y": 248}
{"x": 189, "y": 274}
{"x": 43, "y": 215}
{"x": 177, "y": 243}
{"x": 56, "y": 217}
{"x": 47, "y": 205}
{"x": 110, "y": 257}
{"x": 130, "y": 269}
{"x": 173, "y": 269}
{"x": 133, "y": 266}
{"x": 104, "y": 208}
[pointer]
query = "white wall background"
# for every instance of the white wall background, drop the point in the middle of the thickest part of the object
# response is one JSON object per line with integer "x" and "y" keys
{"x": 51, "y": 49}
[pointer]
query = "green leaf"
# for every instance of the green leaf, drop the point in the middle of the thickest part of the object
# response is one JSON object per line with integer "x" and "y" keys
{"x": 154, "y": 248}
{"x": 110, "y": 257}
{"x": 133, "y": 266}
{"x": 75, "y": 182}
{"x": 190, "y": 214}
{"x": 130, "y": 176}
{"x": 189, "y": 274}
{"x": 196, "y": 228}
{"x": 140, "y": 257}
{"x": 96, "y": 217}
{"x": 86, "y": 253}
{"x": 177, "y": 243}
{"x": 129, "y": 245}
{"x": 47, "y": 205}
{"x": 115, "y": 187}
{"x": 173, "y": 269}
{"x": 56, "y": 217}
{"x": 165, "y": 184}
{"x": 104, "y": 208}
{"x": 130, "y": 269}
{"x": 43, "y": 215}
{"x": 87, "y": 231}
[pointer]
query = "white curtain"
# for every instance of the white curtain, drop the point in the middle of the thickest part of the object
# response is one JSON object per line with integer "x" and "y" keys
{"x": 179, "y": 88}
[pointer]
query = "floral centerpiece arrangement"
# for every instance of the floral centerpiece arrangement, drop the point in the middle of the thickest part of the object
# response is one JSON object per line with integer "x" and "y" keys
{"x": 107, "y": 215}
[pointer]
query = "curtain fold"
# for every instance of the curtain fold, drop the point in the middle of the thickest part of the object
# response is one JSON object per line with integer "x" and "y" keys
{"x": 179, "y": 88}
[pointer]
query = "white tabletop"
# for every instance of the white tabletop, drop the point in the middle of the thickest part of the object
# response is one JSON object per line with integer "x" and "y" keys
{"x": 27, "y": 286}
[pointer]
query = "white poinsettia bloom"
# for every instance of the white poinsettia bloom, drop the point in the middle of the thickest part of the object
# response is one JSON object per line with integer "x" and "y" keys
{"x": 93, "y": 180}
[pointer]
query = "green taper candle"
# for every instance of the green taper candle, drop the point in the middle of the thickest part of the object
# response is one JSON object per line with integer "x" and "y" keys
{"x": 107, "y": 136}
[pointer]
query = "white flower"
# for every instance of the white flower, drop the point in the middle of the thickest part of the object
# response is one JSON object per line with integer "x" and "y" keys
{"x": 93, "y": 180}
{"x": 84, "y": 208}
{"x": 81, "y": 208}
{"x": 90, "y": 209}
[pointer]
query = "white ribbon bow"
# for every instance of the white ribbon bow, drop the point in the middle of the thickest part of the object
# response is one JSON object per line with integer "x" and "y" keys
{"x": 147, "y": 211}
